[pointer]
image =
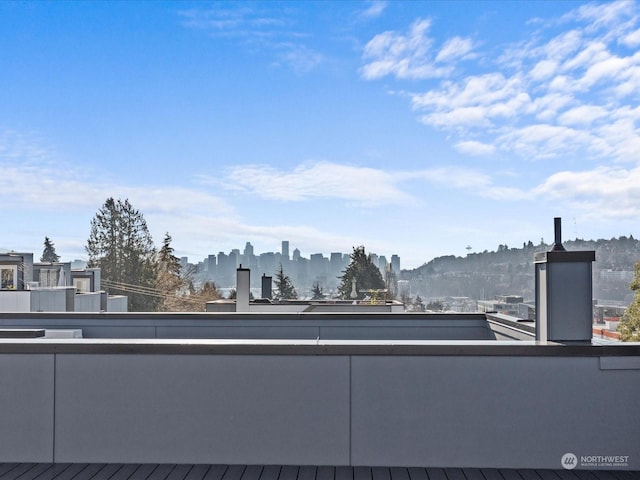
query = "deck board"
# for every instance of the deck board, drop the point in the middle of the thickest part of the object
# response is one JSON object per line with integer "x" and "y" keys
{"x": 343, "y": 473}
{"x": 401, "y": 473}
{"x": 325, "y": 473}
{"x": 362, "y": 473}
{"x": 95, "y": 471}
{"x": 216, "y": 472}
{"x": 252, "y": 472}
{"x": 179, "y": 472}
{"x": 437, "y": 474}
{"x": 307, "y": 473}
{"x": 474, "y": 474}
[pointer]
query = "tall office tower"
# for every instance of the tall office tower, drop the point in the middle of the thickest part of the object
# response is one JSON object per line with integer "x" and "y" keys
{"x": 296, "y": 255}
{"x": 248, "y": 250}
{"x": 317, "y": 265}
{"x": 285, "y": 249}
{"x": 395, "y": 263}
{"x": 211, "y": 264}
{"x": 382, "y": 263}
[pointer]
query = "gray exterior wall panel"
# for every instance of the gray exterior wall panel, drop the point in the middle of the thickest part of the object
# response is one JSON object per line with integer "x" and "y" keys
{"x": 26, "y": 408}
{"x": 202, "y": 409}
{"x": 523, "y": 412}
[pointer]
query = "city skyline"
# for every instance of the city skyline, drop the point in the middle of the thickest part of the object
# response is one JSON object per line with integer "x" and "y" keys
{"x": 418, "y": 128}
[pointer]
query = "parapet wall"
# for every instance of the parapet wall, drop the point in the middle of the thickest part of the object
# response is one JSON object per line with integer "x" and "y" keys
{"x": 438, "y": 404}
{"x": 325, "y": 326}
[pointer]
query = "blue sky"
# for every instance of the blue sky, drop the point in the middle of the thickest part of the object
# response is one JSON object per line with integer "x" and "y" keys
{"x": 415, "y": 128}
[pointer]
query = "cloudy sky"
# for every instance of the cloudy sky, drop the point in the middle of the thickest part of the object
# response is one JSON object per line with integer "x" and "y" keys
{"x": 416, "y": 128}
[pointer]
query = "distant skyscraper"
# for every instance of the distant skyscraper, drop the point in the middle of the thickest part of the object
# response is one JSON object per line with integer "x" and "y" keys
{"x": 395, "y": 263}
{"x": 248, "y": 249}
{"x": 296, "y": 255}
{"x": 285, "y": 249}
{"x": 211, "y": 264}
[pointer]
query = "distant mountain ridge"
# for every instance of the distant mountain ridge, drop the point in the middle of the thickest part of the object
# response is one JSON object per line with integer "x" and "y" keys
{"x": 510, "y": 271}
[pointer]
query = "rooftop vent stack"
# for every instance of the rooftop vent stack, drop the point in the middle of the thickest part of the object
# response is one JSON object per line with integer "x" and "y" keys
{"x": 243, "y": 276}
{"x": 564, "y": 308}
{"x": 557, "y": 235}
{"x": 266, "y": 286}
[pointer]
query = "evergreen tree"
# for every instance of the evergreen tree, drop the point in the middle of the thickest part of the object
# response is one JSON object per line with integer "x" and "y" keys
{"x": 284, "y": 287}
{"x": 316, "y": 292}
{"x": 435, "y": 306}
{"x": 49, "y": 253}
{"x": 169, "y": 281}
{"x": 390, "y": 281}
{"x": 366, "y": 274}
{"x": 629, "y": 326}
{"x": 418, "y": 304}
{"x": 121, "y": 246}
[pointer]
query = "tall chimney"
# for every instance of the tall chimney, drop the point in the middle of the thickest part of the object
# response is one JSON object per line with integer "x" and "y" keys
{"x": 564, "y": 305}
{"x": 266, "y": 286}
{"x": 242, "y": 289}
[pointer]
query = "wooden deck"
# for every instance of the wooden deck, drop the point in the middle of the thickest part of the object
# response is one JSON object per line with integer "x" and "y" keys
{"x": 44, "y": 471}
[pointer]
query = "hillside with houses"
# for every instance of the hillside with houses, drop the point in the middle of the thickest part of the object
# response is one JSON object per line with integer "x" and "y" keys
{"x": 510, "y": 271}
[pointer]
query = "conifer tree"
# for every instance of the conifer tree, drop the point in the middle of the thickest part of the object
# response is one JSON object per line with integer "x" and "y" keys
{"x": 316, "y": 292}
{"x": 366, "y": 274}
{"x": 49, "y": 253}
{"x": 169, "y": 280}
{"x": 121, "y": 246}
{"x": 284, "y": 287}
{"x": 629, "y": 326}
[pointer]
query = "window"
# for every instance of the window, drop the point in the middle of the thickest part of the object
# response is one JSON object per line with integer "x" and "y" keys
{"x": 49, "y": 277}
{"x": 8, "y": 277}
{"x": 83, "y": 285}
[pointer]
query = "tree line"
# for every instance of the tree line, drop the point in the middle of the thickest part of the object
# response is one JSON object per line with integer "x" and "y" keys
{"x": 121, "y": 245}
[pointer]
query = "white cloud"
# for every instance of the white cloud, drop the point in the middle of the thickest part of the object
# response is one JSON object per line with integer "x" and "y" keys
{"x": 544, "y": 69}
{"x": 543, "y": 98}
{"x": 632, "y": 39}
{"x": 363, "y": 185}
{"x": 402, "y": 55}
{"x": 300, "y": 58}
{"x": 374, "y": 10}
{"x": 606, "y": 192}
{"x": 471, "y": 147}
{"x": 543, "y": 141}
{"x": 460, "y": 117}
{"x": 454, "y": 48}
{"x": 608, "y": 15}
{"x": 582, "y": 115}
{"x": 546, "y": 108}
{"x": 561, "y": 46}
{"x": 259, "y": 30}
{"x": 36, "y": 178}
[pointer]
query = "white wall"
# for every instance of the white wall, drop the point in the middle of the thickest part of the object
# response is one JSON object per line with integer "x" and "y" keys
{"x": 18, "y": 301}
